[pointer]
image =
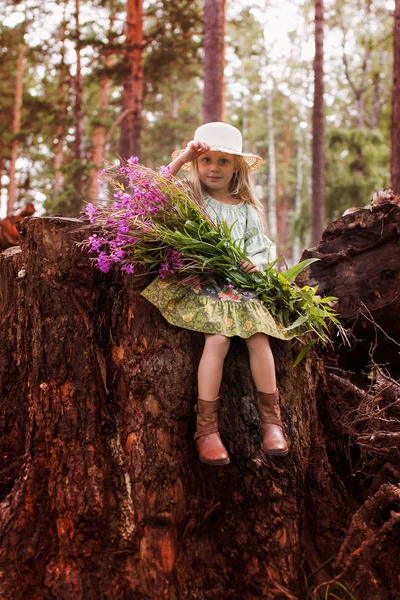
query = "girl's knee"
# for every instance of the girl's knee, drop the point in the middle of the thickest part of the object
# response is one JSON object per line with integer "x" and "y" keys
{"x": 258, "y": 340}
{"x": 218, "y": 343}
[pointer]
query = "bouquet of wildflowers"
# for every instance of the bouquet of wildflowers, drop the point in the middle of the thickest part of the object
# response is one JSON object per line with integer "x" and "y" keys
{"x": 155, "y": 220}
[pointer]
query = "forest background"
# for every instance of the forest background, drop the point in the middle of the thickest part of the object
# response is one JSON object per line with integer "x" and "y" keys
{"x": 71, "y": 60}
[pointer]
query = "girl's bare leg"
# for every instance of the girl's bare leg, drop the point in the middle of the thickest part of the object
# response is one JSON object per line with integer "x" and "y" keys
{"x": 209, "y": 445}
{"x": 211, "y": 365}
{"x": 262, "y": 367}
{"x": 262, "y": 363}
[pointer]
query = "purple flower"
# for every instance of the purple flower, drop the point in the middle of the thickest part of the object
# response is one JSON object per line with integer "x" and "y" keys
{"x": 103, "y": 262}
{"x": 123, "y": 227}
{"x": 117, "y": 255}
{"x": 95, "y": 243}
{"x": 91, "y": 211}
{"x": 165, "y": 172}
{"x": 174, "y": 259}
{"x": 100, "y": 177}
{"x": 172, "y": 263}
{"x": 164, "y": 272}
{"x": 133, "y": 160}
{"x": 128, "y": 268}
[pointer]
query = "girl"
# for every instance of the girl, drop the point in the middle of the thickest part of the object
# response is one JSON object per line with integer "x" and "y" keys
{"x": 219, "y": 171}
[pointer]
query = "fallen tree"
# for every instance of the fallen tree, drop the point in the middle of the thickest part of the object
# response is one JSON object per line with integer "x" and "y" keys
{"x": 102, "y": 494}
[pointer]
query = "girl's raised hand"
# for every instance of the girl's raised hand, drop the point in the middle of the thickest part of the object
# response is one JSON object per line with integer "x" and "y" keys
{"x": 248, "y": 267}
{"x": 194, "y": 150}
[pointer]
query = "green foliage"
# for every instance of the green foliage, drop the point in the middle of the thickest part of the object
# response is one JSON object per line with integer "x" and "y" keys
{"x": 9, "y": 42}
{"x": 172, "y": 71}
{"x": 69, "y": 202}
{"x": 357, "y": 164}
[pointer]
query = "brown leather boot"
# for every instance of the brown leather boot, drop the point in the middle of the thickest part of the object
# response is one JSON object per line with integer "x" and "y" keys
{"x": 273, "y": 439}
{"x": 209, "y": 445}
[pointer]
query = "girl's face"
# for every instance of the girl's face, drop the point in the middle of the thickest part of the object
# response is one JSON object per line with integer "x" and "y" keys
{"x": 216, "y": 170}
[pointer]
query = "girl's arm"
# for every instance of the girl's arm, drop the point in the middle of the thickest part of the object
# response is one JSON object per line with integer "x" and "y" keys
{"x": 258, "y": 247}
{"x": 192, "y": 151}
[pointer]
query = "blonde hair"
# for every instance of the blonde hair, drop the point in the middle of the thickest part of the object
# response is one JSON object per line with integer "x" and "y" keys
{"x": 240, "y": 186}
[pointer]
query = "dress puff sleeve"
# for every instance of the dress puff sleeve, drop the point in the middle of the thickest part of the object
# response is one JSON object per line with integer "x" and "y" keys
{"x": 258, "y": 247}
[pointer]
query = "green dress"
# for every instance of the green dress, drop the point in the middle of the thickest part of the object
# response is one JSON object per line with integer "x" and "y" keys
{"x": 212, "y": 305}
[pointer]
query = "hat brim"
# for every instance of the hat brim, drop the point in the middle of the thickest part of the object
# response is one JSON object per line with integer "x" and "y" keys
{"x": 252, "y": 160}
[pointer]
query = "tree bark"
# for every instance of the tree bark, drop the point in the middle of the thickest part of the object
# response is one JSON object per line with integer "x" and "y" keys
{"x": 214, "y": 50}
{"x": 395, "y": 160}
{"x": 283, "y": 216}
{"x": 298, "y": 198}
{"x": 78, "y": 143}
{"x": 102, "y": 492}
{"x": 272, "y": 220}
{"x": 132, "y": 96}
{"x": 61, "y": 109}
{"x": 359, "y": 264}
{"x": 12, "y": 189}
{"x": 112, "y": 496}
{"x": 318, "y": 127}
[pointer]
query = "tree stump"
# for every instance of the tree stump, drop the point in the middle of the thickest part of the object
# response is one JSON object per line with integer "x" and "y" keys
{"x": 360, "y": 264}
{"x": 102, "y": 493}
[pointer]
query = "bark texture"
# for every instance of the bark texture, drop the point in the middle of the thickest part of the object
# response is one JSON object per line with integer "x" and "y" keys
{"x": 214, "y": 61}
{"x": 19, "y": 85}
{"x": 132, "y": 96}
{"x": 395, "y": 161}
{"x": 318, "y": 128}
{"x": 359, "y": 263}
{"x": 61, "y": 110}
{"x": 102, "y": 494}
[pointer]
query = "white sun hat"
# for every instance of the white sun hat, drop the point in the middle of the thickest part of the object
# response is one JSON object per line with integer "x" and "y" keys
{"x": 222, "y": 137}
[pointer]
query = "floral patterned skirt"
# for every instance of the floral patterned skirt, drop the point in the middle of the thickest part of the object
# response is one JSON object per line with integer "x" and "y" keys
{"x": 212, "y": 306}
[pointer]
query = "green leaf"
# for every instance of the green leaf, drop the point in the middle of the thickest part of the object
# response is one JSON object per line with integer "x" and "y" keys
{"x": 304, "y": 351}
{"x": 294, "y": 271}
{"x": 327, "y": 299}
{"x": 298, "y": 322}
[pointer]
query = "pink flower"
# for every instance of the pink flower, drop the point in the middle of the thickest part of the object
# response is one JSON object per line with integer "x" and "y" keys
{"x": 103, "y": 262}
{"x": 128, "y": 268}
{"x": 95, "y": 243}
{"x": 91, "y": 211}
{"x": 165, "y": 172}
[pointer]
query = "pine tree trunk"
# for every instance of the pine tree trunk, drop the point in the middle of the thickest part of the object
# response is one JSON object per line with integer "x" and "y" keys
{"x": 214, "y": 50}
{"x": 395, "y": 161}
{"x": 132, "y": 97}
{"x": 299, "y": 188}
{"x": 272, "y": 220}
{"x": 78, "y": 143}
{"x": 59, "y": 134}
{"x": 318, "y": 149}
{"x": 102, "y": 493}
{"x": 19, "y": 82}
{"x": 283, "y": 217}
